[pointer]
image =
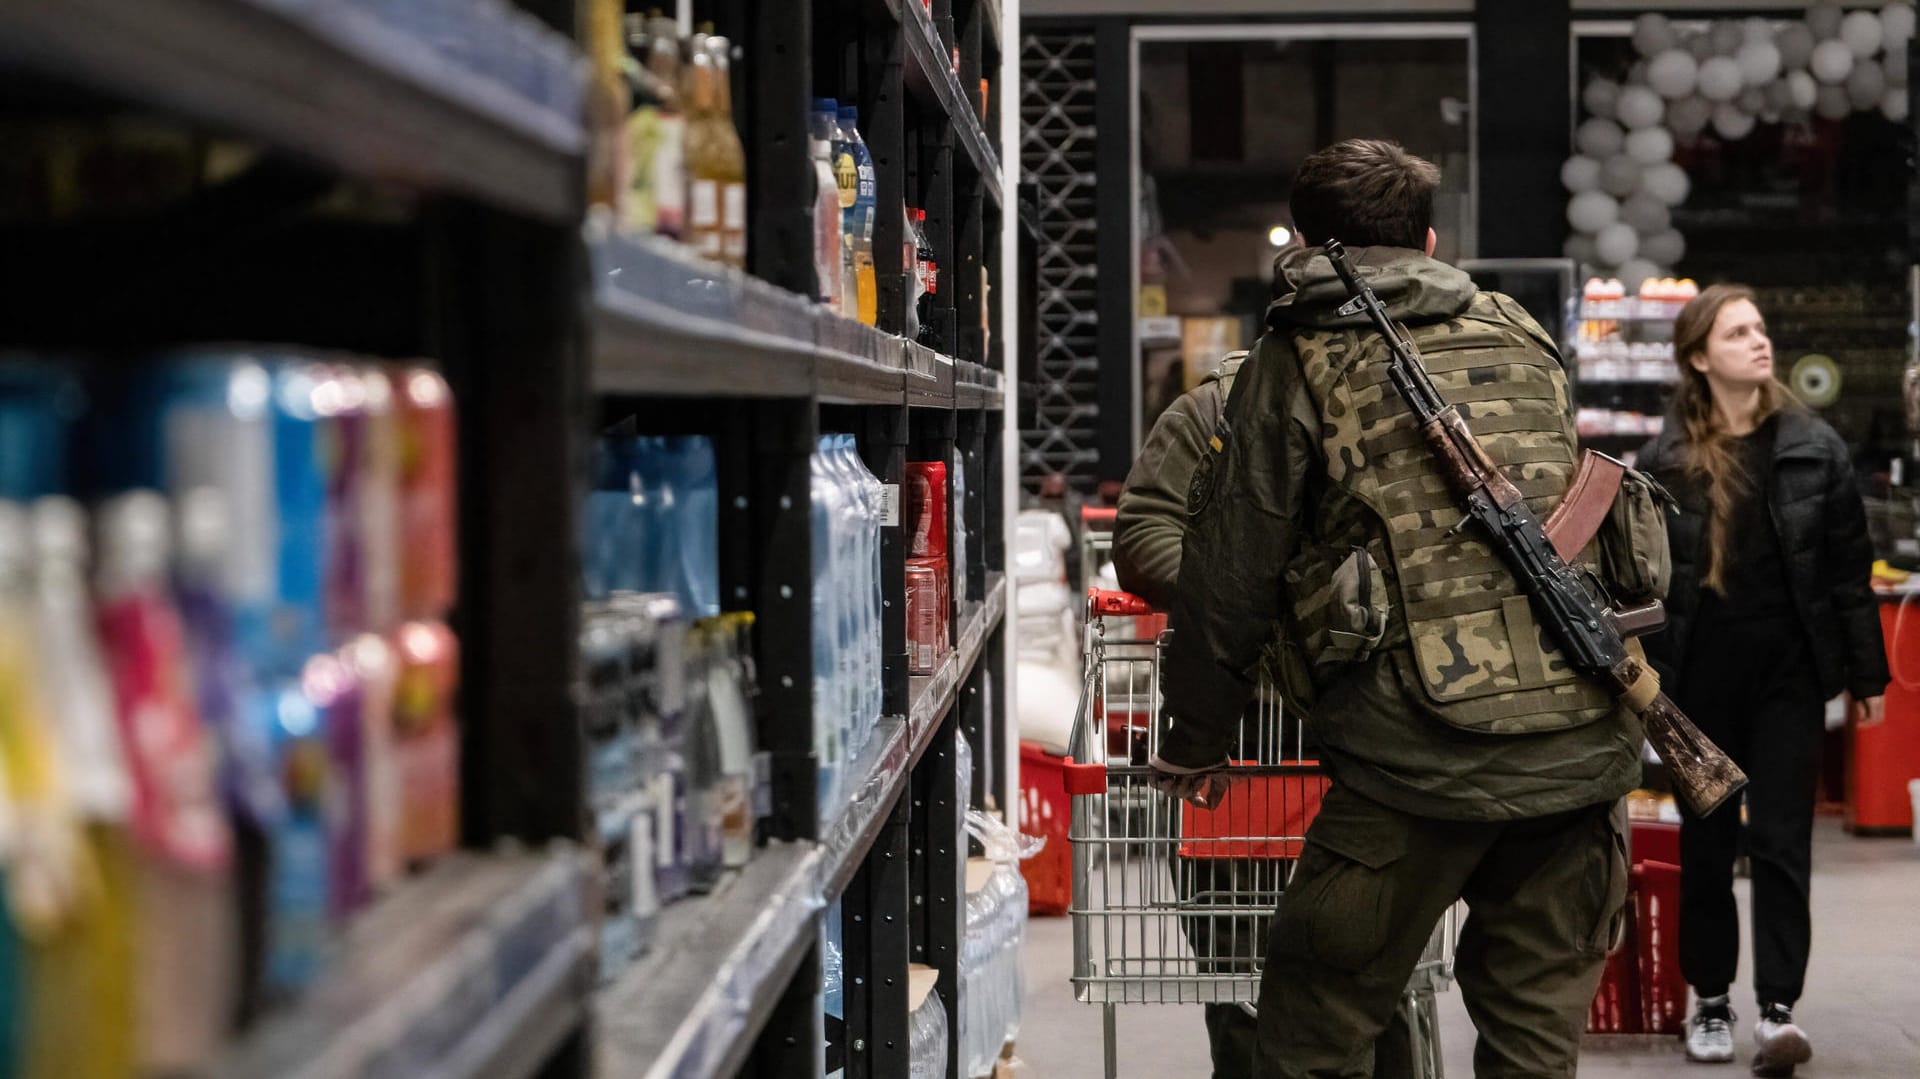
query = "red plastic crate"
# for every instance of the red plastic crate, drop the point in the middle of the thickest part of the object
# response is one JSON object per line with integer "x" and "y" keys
{"x": 1258, "y": 817}
{"x": 1643, "y": 991}
{"x": 1046, "y": 811}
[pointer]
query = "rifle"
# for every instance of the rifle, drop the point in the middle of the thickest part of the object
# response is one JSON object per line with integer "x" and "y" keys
{"x": 1594, "y": 637}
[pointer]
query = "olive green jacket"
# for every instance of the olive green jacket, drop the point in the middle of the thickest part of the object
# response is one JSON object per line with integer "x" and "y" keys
{"x": 1249, "y": 509}
{"x": 1152, "y": 517}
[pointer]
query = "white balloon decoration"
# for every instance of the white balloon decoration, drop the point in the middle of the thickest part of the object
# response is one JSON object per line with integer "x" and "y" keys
{"x": 1720, "y": 79}
{"x": 1634, "y": 272}
{"x": 1616, "y": 243}
{"x": 1666, "y": 247}
{"x": 1639, "y": 107}
{"x": 1624, "y": 183}
{"x": 1824, "y": 19}
{"x": 1759, "y": 62}
{"x": 1867, "y": 85}
{"x": 1796, "y": 45}
{"x": 1650, "y": 145}
{"x": 1580, "y": 173}
{"x": 1619, "y": 176}
{"x": 1648, "y": 215}
{"x": 1652, "y": 34}
{"x": 1600, "y": 138}
{"x": 1778, "y": 97}
{"x": 1591, "y": 211}
{"x": 1726, "y": 36}
{"x": 1802, "y": 90}
{"x": 1600, "y": 97}
{"x": 1832, "y": 62}
{"x": 1689, "y": 116}
{"x": 1667, "y": 182}
{"x": 1896, "y": 22}
{"x": 1862, "y": 33}
{"x": 1732, "y": 122}
{"x": 1833, "y": 103}
{"x": 1672, "y": 74}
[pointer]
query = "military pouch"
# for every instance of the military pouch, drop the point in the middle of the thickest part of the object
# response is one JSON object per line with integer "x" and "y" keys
{"x": 1632, "y": 542}
{"x": 1340, "y": 606}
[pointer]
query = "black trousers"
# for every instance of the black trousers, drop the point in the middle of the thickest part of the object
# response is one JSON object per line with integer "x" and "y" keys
{"x": 1751, "y": 686}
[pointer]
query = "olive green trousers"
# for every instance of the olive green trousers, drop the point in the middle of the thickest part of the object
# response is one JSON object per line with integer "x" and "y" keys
{"x": 1544, "y": 899}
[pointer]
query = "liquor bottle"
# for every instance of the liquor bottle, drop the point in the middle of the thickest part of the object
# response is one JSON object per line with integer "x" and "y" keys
{"x": 732, "y": 158}
{"x": 669, "y": 154}
{"x": 608, "y": 102}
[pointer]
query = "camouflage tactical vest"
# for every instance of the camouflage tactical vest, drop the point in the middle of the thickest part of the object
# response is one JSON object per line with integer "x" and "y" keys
{"x": 1382, "y": 567}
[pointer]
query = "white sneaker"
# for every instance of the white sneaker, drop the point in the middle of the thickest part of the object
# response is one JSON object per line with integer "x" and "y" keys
{"x": 1710, "y": 1034}
{"x": 1782, "y": 1046}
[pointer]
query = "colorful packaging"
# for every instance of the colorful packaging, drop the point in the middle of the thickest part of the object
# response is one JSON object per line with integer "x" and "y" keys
{"x": 429, "y": 521}
{"x": 82, "y": 971}
{"x": 427, "y": 740}
{"x": 334, "y": 689}
{"x": 185, "y": 899}
{"x": 374, "y": 502}
{"x": 926, "y": 504}
{"x": 297, "y": 887}
{"x": 375, "y": 666}
{"x": 249, "y": 427}
{"x": 927, "y": 643}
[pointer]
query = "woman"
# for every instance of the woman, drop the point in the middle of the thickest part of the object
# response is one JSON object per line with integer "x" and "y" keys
{"x": 1770, "y": 615}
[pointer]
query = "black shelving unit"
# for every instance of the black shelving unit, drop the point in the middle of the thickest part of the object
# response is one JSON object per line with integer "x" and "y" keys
{"x": 468, "y": 243}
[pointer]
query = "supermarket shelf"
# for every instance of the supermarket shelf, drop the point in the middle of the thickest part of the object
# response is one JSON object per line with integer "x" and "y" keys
{"x": 929, "y": 377}
{"x": 693, "y": 1005}
{"x": 668, "y": 323}
{"x": 930, "y": 74}
{"x": 876, "y": 779}
{"x": 481, "y": 967}
{"x": 359, "y": 97}
{"x": 977, "y": 387}
{"x": 1630, "y": 311}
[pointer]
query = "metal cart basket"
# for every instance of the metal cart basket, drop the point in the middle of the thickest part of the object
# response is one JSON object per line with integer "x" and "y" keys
{"x": 1170, "y": 902}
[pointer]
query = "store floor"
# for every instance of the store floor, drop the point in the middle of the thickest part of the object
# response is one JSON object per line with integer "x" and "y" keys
{"x": 1862, "y": 1005}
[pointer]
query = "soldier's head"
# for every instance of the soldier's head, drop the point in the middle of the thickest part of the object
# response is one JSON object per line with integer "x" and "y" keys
{"x": 1366, "y": 193}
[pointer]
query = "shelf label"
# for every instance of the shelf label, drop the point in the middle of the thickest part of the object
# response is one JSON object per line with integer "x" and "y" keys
{"x": 890, "y": 505}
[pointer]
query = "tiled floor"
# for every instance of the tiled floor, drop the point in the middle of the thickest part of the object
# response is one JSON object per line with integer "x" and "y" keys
{"x": 1862, "y": 1006}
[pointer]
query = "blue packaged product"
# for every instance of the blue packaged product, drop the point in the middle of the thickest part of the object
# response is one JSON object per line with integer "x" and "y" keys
{"x": 298, "y": 883}
{"x": 39, "y": 408}
{"x": 696, "y": 518}
{"x": 252, "y": 427}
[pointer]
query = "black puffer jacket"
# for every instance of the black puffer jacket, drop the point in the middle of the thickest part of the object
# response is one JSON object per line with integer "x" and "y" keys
{"x": 1822, "y": 528}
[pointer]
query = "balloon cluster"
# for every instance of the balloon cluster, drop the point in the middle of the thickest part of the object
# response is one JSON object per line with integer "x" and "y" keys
{"x": 1623, "y": 182}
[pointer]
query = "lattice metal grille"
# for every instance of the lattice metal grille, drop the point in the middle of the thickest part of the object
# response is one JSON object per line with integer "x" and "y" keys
{"x": 1057, "y": 141}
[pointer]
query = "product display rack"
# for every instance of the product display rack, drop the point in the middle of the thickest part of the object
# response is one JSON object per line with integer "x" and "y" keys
{"x": 466, "y": 242}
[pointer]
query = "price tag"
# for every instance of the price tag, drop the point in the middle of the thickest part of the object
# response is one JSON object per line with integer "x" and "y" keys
{"x": 890, "y": 506}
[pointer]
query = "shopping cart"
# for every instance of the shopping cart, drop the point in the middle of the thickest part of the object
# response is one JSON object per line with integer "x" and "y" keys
{"x": 1171, "y": 902}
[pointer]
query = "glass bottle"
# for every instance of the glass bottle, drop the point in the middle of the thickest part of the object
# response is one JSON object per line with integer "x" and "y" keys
{"x": 669, "y": 154}
{"x": 732, "y": 158}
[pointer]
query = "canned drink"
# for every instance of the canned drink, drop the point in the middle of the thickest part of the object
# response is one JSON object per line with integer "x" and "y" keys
{"x": 924, "y": 615}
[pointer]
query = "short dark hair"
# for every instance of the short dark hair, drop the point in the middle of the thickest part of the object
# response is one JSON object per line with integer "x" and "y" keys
{"x": 1365, "y": 193}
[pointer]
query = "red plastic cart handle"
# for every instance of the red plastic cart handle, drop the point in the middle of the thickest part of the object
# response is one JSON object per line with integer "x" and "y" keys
{"x": 1102, "y": 603}
{"x": 1085, "y": 778}
{"x": 1090, "y": 514}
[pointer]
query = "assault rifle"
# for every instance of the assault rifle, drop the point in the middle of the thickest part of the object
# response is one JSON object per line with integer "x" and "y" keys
{"x": 1594, "y": 638}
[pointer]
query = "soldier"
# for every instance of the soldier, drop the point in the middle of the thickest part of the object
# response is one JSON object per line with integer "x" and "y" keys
{"x": 1147, "y": 532}
{"x": 1468, "y": 760}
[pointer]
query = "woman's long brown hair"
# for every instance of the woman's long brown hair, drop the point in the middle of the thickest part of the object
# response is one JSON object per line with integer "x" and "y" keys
{"x": 1706, "y": 446}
